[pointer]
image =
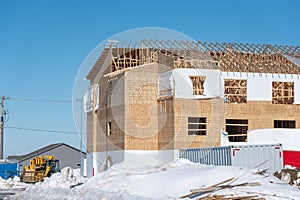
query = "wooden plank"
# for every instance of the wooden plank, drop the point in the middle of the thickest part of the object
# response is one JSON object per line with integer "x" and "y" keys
{"x": 216, "y": 187}
{"x": 195, "y": 191}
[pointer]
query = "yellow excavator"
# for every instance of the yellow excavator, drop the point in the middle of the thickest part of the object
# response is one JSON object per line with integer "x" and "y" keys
{"x": 39, "y": 168}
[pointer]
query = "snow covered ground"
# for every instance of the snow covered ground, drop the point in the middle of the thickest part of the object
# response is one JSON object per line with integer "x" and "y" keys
{"x": 169, "y": 182}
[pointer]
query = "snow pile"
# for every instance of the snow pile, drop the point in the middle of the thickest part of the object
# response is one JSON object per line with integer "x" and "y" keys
{"x": 287, "y": 137}
{"x": 12, "y": 183}
{"x": 55, "y": 187}
{"x": 169, "y": 182}
{"x": 65, "y": 178}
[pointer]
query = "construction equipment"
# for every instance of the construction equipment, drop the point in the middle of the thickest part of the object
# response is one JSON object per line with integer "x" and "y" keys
{"x": 39, "y": 168}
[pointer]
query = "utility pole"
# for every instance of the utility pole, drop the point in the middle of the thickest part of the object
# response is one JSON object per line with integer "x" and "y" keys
{"x": 2, "y": 126}
{"x": 81, "y": 151}
{"x": 81, "y": 163}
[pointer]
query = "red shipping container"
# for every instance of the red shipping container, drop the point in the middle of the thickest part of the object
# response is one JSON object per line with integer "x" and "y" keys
{"x": 291, "y": 158}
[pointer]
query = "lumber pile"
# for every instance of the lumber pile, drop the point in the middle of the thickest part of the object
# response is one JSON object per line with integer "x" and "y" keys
{"x": 206, "y": 193}
{"x": 231, "y": 197}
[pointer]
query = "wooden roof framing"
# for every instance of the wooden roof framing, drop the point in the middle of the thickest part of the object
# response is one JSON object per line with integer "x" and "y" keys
{"x": 256, "y": 58}
{"x": 228, "y": 57}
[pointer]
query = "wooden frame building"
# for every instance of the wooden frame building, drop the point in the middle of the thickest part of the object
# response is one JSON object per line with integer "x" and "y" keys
{"x": 166, "y": 95}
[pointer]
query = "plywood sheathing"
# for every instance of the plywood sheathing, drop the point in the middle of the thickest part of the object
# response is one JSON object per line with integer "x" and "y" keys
{"x": 213, "y": 110}
{"x": 141, "y": 108}
{"x": 261, "y": 114}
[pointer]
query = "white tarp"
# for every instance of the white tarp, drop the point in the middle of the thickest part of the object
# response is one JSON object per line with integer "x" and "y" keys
{"x": 91, "y": 98}
{"x": 166, "y": 83}
{"x": 88, "y": 99}
{"x": 96, "y": 90}
{"x": 259, "y": 85}
{"x": 178, "y": 81}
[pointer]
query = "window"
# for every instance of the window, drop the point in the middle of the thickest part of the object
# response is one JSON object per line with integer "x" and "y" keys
{"x": 235, "y": 90}
{"x": 197, "y": 126}
{"x": 109, "y": 128}
{"x": 284, "y": 124}
{"x": 237, "y": 130}
{"x": 282, "y": 92}
{"x": 198, "y": 82}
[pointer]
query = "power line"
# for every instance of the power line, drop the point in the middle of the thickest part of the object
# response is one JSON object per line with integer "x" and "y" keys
{"x": 42, "y": 100}
{"x": 42, "y": 130}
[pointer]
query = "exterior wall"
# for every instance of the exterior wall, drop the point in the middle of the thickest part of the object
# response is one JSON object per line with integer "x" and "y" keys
{"x": 133, "y": 110}
{"x": 94, "y": 130}
{"x": 212, "y": 109}
{"x": 89, "y": 144}
{"x": 141, "y": 122}
{"x": 111, "y": 95}
{"x": 259, "y": 109}
{"x": 67, "y": 157}
{"x": 114, "y": 113}
{"x": 141, "y": 108}
{"x": 259, "y": 85}
{"x": 261, "y": 114}
{"x": 166, "y": 117}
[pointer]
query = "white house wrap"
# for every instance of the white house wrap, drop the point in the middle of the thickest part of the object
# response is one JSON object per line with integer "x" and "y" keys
{"x": 178, "y": 81}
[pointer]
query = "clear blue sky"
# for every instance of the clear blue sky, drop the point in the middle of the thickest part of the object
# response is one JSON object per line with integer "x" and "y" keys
{"x": 43, "y": 43}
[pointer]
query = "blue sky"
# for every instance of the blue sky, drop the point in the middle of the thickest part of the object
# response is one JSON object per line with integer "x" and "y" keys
{"x": 43, "y": 43}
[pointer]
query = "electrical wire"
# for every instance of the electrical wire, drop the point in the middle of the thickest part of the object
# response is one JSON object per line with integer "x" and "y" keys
{"x": 43, "y": 100}
{"x": 42, "y": 130}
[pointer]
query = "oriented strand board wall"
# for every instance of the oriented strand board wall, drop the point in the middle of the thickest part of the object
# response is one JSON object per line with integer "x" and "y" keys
{"x": 89, "y": 136}
{"x": 149, "y": 123}
{"x": 212, "y": 109}
{"x": 261, "y": 114}
{"x": 166, "y": 117}
{"x": 141, "y": 122}
{"x": 112, "y": 95}
{"x": 141, "y": 108}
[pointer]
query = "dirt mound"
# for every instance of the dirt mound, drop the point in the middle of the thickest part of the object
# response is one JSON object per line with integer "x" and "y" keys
{"x": 289, "y": 175}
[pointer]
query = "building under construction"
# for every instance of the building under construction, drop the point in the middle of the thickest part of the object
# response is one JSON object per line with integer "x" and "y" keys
{"x": 166, "y": 95}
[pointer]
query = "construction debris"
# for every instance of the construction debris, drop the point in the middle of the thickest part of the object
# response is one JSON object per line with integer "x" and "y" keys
{"x": 231, "y": 197}
{"x": 219, "y": 186}
{"x": 289, "y": 175}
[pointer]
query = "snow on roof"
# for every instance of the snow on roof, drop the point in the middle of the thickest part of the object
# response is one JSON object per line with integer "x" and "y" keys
{"x": 293, "y": 59}
{"x": 40, "y": 151}
{"x": 289, "y": 138}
